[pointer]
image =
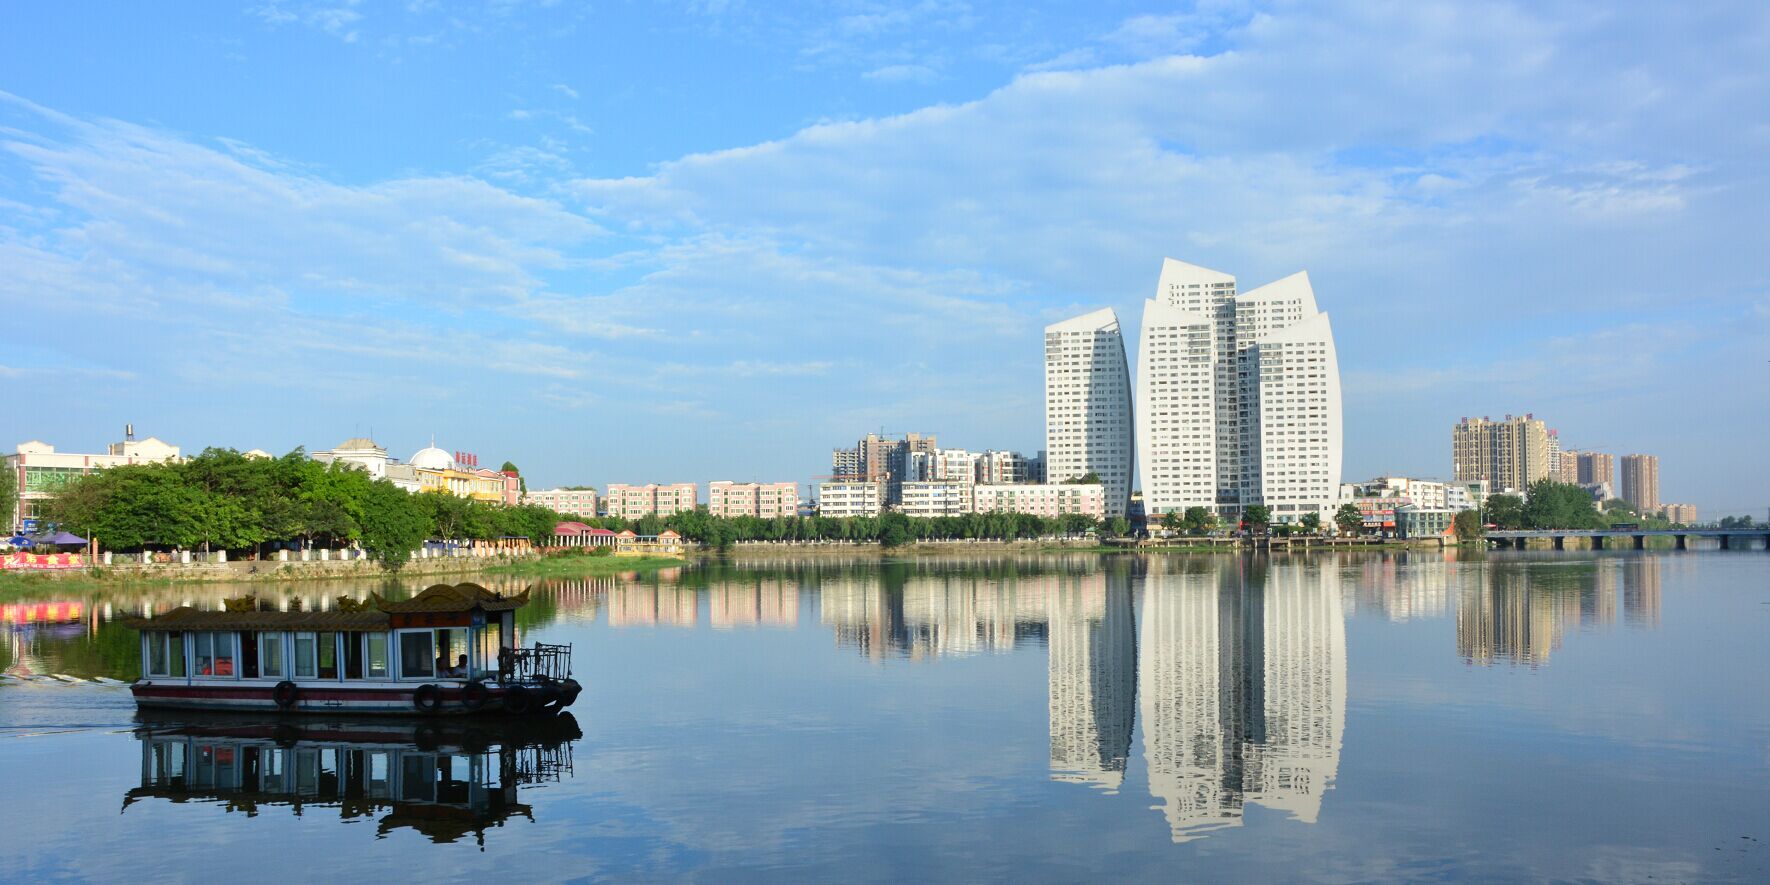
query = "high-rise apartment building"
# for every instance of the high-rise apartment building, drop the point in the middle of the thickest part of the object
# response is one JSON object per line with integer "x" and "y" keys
{"x": 1009, "y": 468}
{"x": 633, "y": 502}
{"x": 881, "y": 459}
{"x": 857, "y": 497}
{"x": 1679, "y": 514}
{"x": 1596, "y": 468}
{"x": 1088, "y": 425}
{"x": 1640, "y": 482}
{"x": 1567, "y": 468}
{"x": 1554, "y": 453}
{"x": 767, "y": 500}
{"x": 1509, "y": 454}
{"x": 1237, "y": 398}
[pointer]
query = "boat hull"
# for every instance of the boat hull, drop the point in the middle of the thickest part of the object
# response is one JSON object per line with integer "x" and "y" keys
{"x": 344, "y": 698}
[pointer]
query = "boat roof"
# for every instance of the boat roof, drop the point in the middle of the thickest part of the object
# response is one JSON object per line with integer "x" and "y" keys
{"x": 367, "y": 615}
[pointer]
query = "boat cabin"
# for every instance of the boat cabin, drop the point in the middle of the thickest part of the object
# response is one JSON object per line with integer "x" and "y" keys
{"x": 447, "y": 633}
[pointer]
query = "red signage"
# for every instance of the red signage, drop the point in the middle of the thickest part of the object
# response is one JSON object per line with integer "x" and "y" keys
{"x": 467, "y": 459}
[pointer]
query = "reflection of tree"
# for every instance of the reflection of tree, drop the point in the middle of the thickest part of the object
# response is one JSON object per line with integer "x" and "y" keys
{"x": 1522, "y": 614}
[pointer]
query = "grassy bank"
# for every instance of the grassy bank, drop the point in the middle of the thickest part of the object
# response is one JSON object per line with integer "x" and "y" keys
{"x": 583, "y": 566}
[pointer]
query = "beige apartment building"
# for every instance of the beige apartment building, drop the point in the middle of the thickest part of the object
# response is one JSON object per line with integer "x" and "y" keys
{"x": 633, "y": 502}
{"x": 761, "y": 499}
{"x": 1596, "y": 468}
{"x": 937, "y": 498}
{"x": 1042, "y": 499}
{"x": 1640, "y": 482}
{"x": 1567, "y": 470}
{"x": 1508, "y": 454}
{"x": 843, "y": 498}
{"x": 1679, "y": 514}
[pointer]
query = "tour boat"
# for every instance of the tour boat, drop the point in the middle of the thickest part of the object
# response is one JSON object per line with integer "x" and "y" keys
{"x": 450, "y": 649}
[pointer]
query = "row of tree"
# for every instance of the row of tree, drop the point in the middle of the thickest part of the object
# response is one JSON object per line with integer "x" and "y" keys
{"x": 224, "y": 500}
{"x": 1561, "y": 505}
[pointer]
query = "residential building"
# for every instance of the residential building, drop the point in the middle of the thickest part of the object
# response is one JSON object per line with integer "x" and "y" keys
{"x": 1679, "y": 514}
{"x": 1043, "y": 499}
{"x": 881, "y": 458}
{"x": 941, "y": 465}
{"x": 1640, "y": 482}
{"x": 577, "y": 534}
{"x": 767, "y": 500}
{"x": 1509, "y": 454}
{"x": 1379, "y": 511}
{"x": 1554, "y": 453}
{"x": 851, "y": 497}
{"x": 651, "y": 499}
{"x": 1595, "y": 468}
{"x": 1567, "y": 467}
{"x": 1237, "y": 398}
{"x": 38, "y": 471}
{"x": 1008, "y": 468}
{"x": 1088, "y": 427}
{"x": 573, "y": 502}
{"x": 1466, "y": 495}
{"x": 937, "y": 498}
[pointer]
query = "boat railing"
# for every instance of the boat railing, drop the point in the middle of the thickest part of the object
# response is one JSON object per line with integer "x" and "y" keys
{"x": 537, "y": 663}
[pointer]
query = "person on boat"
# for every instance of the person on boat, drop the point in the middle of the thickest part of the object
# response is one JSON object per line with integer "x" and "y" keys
{"x": 460, "y": 668}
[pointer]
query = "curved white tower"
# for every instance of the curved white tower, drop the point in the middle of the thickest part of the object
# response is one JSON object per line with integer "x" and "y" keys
{"x": 1088, "y": 405}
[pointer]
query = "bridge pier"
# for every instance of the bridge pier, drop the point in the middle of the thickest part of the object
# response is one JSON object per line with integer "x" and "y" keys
{"x": 1726, "y": 542}
{"x": 1683, "y": 542}
{"x": 1640, "y": 542}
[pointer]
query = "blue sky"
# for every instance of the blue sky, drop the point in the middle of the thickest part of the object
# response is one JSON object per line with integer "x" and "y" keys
{"x": 635, "y": 242}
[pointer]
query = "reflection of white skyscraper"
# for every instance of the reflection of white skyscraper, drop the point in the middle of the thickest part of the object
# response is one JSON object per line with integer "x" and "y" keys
{"x": 1088, "y": 405}
{"x": 1093, "y": 660}
{"x": 1243, "y": 694}
{"x": 1265, "y": 413}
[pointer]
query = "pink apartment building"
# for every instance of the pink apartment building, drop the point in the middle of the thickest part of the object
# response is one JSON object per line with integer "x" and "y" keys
{"x": 633, "y": 502}
{"x": 764, "y": 499}
{"x": 576, "y": 502}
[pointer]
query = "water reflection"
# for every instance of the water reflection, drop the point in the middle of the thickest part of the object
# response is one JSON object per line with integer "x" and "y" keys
{"x": 443, "y": 780}
{"x": 1522, "y": 616}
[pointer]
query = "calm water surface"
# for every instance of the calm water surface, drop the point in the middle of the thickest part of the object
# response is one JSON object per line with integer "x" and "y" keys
{"x": 1570, "y": 716}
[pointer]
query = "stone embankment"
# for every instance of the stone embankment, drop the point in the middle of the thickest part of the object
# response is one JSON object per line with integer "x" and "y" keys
{"x": 269, "y": 570}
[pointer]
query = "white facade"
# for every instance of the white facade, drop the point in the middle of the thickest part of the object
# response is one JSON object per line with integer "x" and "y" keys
{"x": 360, "y": 451}
{"x": 1043, "y": 499}
{"x": 39, "y": 471}
{"x": 1088, "y": 417}
{"x": 926, "y": 499}
{"x": 851, "y": 498}
{"x": 1266, "y": 414}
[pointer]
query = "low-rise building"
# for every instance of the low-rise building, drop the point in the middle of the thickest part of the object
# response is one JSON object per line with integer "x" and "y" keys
{"x": 766, "y": 500}
{"x": 577, "y": 534}
{"x": 634, "y": 502}
{"x": 39, "y": 471}
{"x": 1042, "y": 499}
{"x": 1679, "y": 514}
{"x": 664, "y": 543}
{"x": 844, "y": 498}
{"x": 573, "y": 502}
{"x": 1379, "y": 511}
{"x": 1413, "y": 521}
{"x": 1003, "y": 468}
{"x": 929, "y": 499}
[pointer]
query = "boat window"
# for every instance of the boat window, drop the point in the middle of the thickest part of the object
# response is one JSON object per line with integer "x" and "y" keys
{"x": 156, "y": 643}
{"x": 304, "y": 657}
{"x": 327, "y": 647}
{"x": 380, "y": 785}
{"x": 375, "y": 647}
{"x": 215, "y": 654}
{"x": 270, "y": 656}
{"x": 415, "y": 656}
{"x": 175, "y": 654}
{"x": 451, "y": 652}
{"x": 417, "y": 777}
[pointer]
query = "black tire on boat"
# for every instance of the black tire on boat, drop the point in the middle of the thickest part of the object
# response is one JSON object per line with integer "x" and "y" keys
{"x": 285, "y": 694}
{"x": 474, "y": 695}
{"x": 551, "y": 698}
{"x": 426, "y": 737}
{"x": 427, "y": 698}
{"x": 518, "y": 700}
{"x": 572, "y": 690}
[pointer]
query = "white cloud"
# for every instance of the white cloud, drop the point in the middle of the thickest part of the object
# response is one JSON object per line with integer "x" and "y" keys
{"x": 902, "y": 74}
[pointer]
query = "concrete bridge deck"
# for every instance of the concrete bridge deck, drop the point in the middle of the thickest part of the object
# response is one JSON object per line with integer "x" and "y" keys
{"x": 1728, "y": 538}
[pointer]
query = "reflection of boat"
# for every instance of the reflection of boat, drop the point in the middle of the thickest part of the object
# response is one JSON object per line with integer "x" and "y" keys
{"x": 449, "y": 649}
{"x": 443, "y": 778}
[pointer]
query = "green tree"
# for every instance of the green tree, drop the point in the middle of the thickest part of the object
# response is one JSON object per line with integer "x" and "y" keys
{"x": 1560, "y": 505}
{"x": 1118, "y": 527}
{"x": 1257, "y": 516}
{"x": 521, "y": 484}
{"x": 393, "y": 524}
{"x": 1087, "y": 479}
{"x": 1172, "y": 521}
{"x": 894, "y": 530}
{"x": 1467, "y": 524}
{"x": 1505, "y": 511}
{"x": 1349, "y": 519}
{"x": 1200, "y": 520}
{"x": 8, "y": 502}
{"x": 1311, "y": 522}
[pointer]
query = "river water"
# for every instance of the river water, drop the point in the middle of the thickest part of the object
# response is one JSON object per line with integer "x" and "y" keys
{"x": 1345, "y": 717}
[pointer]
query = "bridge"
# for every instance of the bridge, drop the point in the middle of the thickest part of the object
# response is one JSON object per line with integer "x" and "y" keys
{"x": 1730, "y": 539}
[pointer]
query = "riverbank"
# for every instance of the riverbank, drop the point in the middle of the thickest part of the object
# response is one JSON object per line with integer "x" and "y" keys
{"x": 163, "y": 574}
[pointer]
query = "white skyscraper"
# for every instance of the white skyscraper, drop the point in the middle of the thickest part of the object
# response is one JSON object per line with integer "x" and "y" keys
{"x": 1265, "y": 416}
{"x": 1088, "y": 405}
